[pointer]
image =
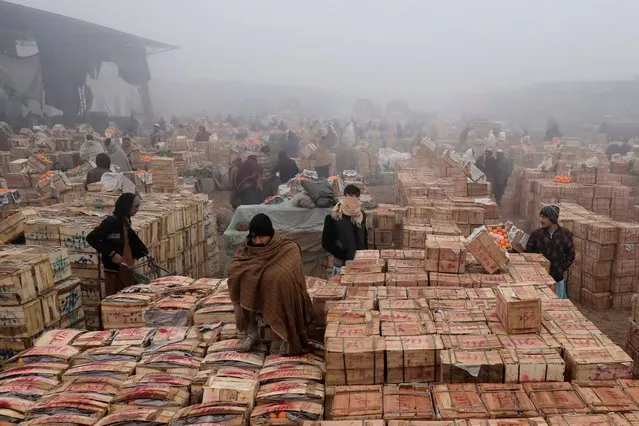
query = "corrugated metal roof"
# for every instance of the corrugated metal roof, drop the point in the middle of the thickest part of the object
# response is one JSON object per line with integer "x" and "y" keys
{"x": 19, "y": 18}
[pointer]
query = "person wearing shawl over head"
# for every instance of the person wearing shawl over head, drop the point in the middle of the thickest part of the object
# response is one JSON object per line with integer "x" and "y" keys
{"x": 345, "y": 229}
{"x": 118, "y": 244}
{"x": 266, "y": 279}
{"x": 555, "y": 243}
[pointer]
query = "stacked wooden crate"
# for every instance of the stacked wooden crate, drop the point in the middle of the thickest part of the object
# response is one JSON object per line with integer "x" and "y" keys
{"x": 174, "y": 228}
{"x": 165, "y": 174}
{"x": 184, "y": 159}
{"x": 29, "y": 298}
{"x": 604, "y": 272}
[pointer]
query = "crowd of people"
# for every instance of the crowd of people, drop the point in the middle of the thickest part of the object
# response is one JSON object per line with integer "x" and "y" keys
{"x": 109, "y": 155}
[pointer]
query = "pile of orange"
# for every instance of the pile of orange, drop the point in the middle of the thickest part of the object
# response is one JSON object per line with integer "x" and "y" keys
{"x": 46, "y": 175}
{"x": 500, "y": 236}
{"x": 146, "y": 158}
{"x": 280, "y": 415}
{"x": 43, "y": 159}
{"x": 562, "y": 179}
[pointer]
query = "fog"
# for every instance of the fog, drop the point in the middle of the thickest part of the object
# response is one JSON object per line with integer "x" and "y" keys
{"x": 420, "y": 50}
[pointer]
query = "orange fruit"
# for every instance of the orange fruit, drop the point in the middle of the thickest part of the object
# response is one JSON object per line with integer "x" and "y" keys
{"x": 281, "y": 415}
{"x": 272, "y": 416}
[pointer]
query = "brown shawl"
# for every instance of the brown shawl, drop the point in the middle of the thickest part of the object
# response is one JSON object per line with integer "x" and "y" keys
{"x": 271, "y": 280}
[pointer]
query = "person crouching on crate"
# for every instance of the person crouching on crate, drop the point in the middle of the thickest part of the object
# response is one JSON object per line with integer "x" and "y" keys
{"x": 555, "y": 243}
{"x": 118, "y": 244}
{"x": 345, "y": 229}
{"x": 266, "y": 278}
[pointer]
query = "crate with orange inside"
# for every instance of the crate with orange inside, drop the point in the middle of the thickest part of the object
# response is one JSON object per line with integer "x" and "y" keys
{"x": 499, "y": 233}
{"x": 562, "y": 179}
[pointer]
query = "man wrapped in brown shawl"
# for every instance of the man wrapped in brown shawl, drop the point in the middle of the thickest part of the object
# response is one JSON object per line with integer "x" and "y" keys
{"x": 266, "y": 277}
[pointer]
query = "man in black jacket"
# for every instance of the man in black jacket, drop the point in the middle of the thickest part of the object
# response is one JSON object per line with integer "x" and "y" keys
{"x": 345, "y": 229}
{"x": 286, "y": 167}
{"x": 118, "y": 244}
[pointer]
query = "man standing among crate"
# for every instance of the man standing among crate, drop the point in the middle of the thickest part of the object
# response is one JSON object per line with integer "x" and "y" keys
{"x": 269, "y": 186}
{"x": 345, "y": 229}
{"x": 555, "y": 243}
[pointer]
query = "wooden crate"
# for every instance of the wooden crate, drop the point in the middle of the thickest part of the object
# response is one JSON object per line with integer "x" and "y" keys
{"x": 230, "y": 385}
{"x": 50, "y": 311}
{"x": 471, "y": 342}
{"x": 534, "y": 421}
{"x": 354, "y": 360}
{"x": 233, "y": 414}
{"x": 407, "y": 328}
{"x": 285, "y": 390}
{"x": 610, "y": 419}
{"x": 506, "y": 400}
{"x": 174, "y": 310}
{"x": 532, "y": 365}
{"x": 461, "y": 366}
{"x": 519, "y": 309}
{"x": 408, "y": 402}
{"x": 22, "y": 321}
{"x": 597, "y": 301}
{"x": 555, "y": 398}
{"x": 458, "y": 422}
{"x": 69, "y": 295}
{"x": 608, "y": 363}
{"x": 17, "y": 284}
{"x": 483, "y": 248}
{"x": 605, "y": 396}
{"x": 412, "y": 358}
{"x": 125, "y": 310}
{"x": 357, "y": 403}
{"x": 528, "y": 341}
{"x": 458, "y": 401}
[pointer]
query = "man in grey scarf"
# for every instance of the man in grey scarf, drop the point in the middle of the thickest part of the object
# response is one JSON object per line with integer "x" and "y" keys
{"x": 118, "y": 156}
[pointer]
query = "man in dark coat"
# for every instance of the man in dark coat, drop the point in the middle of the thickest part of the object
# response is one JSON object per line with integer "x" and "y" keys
{"x": 486, "y": 163}
{"x": 500, "y": 178}
{"x": 286, "y": 167}
{"x": 345, "y": 229}
{"x": 555, "y": 243}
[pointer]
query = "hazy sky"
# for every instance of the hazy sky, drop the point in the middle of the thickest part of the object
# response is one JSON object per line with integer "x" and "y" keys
{"x": 410, "y": 48}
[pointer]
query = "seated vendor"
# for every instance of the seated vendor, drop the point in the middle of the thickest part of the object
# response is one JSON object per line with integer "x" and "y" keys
{"x": 266, "y": 278}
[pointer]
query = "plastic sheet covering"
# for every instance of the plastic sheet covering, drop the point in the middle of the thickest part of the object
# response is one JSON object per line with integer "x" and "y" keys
{"x": 304, "y": 226}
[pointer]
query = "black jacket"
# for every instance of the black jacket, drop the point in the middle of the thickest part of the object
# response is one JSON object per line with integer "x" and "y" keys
{"x": 288, "y": 169}
{"x": 342, "y": 238}
{"x": 107, "y": 239}
{"x": 558, "y": 249}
